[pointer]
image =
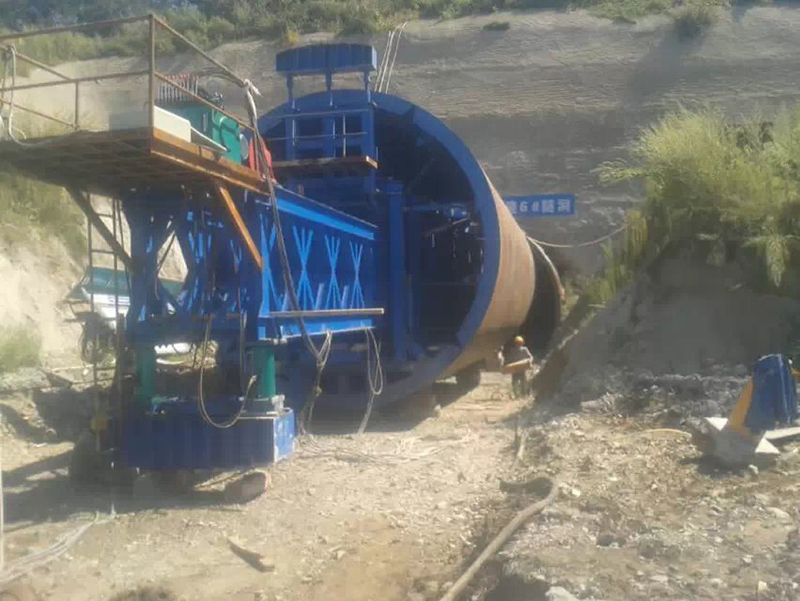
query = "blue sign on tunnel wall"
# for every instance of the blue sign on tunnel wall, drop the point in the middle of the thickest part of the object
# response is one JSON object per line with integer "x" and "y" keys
{"x": 541, "y": 205}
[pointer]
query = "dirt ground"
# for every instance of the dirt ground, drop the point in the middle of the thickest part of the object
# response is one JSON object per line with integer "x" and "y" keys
{"x": 642, "y": 516}
{"x": 397, "y": 513}
{"x": 374, "y": 517}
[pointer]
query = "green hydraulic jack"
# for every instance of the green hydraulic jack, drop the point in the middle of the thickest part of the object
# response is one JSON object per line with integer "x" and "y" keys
{"x": 266, "y": 393}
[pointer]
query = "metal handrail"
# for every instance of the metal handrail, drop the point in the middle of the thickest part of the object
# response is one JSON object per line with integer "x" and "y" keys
{"x": 319, "y": 136}
{"x": 153, "y": 75}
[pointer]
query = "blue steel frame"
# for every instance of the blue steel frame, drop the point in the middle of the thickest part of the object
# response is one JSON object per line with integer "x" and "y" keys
{"x": 426, "y": 367}
{"x": 331, "y": 255}
{"x": 332, "y": 260}
{"x": 334, "y": 268}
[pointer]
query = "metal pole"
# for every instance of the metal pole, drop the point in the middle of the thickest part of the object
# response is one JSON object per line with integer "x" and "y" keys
{"x": 27, "y": 59}
{"x": 152, "y": 69}
{"x": 77, "y": 105}
{"x": 94, "y": 329}
{"x": 115, "y": 261}
{"x": 197, "y": 49}
{"x": 65, "y": 82}
{"x": 25, "y": 109}
{"x": 2, "y": 510}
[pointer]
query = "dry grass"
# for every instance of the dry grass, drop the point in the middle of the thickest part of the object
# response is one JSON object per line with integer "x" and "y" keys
{"x": 210, "y": 24}
{"x": 19, "y": 347}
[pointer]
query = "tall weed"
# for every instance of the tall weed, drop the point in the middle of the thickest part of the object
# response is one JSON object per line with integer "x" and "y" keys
{"x": 715, "y": 184}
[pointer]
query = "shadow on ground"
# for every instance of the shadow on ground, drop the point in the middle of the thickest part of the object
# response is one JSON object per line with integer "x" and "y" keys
{"x": 56, "y": 499}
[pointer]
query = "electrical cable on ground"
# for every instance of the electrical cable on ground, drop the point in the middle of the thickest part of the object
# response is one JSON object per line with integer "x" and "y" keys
{"x": 498, "y": 541}
{"x": 27, "y": 564}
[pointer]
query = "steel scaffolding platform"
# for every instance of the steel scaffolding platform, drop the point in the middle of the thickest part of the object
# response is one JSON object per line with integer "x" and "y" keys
{"x": 112, "y": 162}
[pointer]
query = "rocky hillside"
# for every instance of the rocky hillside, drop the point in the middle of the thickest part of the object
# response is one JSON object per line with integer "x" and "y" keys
{"x": 541, "y": 103}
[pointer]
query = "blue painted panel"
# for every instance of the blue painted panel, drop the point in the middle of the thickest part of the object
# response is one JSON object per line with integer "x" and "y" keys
{"x": 541, "y": 205}
{"x": 321, "y": 58}
{"x": 176, "y": 438}
{"x": 774, "y": 398}
{"x": 333, "y": 266}
{"x": 425, "y": 372}
{"x": 318, "y": 213}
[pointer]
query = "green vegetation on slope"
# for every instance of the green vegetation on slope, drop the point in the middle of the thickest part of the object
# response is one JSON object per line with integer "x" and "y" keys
{"x": 25, "y": 203}
{"x": 212, "y": 22}
{"x": 730, "y": 192}
{"x": 19, "y": 347}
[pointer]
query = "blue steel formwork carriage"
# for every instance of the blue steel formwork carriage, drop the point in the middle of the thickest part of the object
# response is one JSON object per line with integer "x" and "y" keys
{"x": 393, "y": 240}
{"x": 244, "y": 307}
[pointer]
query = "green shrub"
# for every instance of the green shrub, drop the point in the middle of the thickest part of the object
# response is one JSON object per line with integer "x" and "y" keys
{"x": 623, "y": 259}
{"x": 715, "y": 186}
{"x": 629, "y": 10}
{"x": 359, "y": 22}
{"x": 694, "y": 19}
{"x": 497, "y": 26}
{"x": 28, "y": 203}
{"x": 19, "y": 347}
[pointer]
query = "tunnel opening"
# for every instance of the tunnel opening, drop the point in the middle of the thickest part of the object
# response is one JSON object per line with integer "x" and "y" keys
{"x": 544, "y": 314}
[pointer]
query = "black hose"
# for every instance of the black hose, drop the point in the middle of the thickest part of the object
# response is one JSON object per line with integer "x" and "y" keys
{"x": 498, "y": 541}
{"x": 201, "y": 404}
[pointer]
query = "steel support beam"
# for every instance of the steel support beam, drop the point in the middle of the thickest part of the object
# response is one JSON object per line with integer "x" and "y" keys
{"x": 238, "y": 223}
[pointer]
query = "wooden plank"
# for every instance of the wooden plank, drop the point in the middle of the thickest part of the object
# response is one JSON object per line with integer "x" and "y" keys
{"x": 110, "y": 161}
{"x": 238, "y": 222}
{"x": 86, "y": 206}
{"x": 161, "y": 141}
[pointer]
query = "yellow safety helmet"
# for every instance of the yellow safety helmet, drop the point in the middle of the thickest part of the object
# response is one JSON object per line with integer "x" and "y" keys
{"x": 519, "y": 340}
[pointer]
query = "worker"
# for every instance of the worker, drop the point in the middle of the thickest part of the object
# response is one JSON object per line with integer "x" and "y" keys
{"x": 520, "y": 357}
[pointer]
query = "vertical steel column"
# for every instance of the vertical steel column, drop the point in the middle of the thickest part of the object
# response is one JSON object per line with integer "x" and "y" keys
{"x": 152, "y": 67}
{"x": 117, "y": 320}
{"x": 291, "y": 125}
{"x": 397, "y": 275}
{"x": 94, "y": 328}
{"x": 264, "y": 367}
{"x": 145, "y": 372}
{"x": 414, "y": 268}
{"x": 77, "y": 106}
